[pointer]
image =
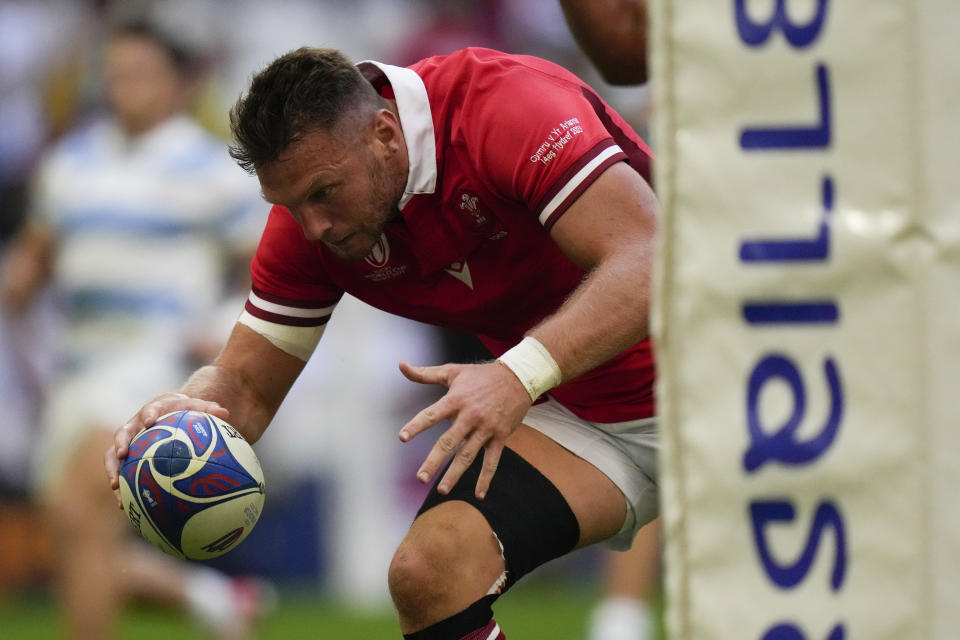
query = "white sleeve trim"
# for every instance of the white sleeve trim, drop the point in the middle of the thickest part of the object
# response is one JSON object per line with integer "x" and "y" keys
{"x": 293, "y": 312}
{"x": 575, "y": 181}
{"x": 297, "y": 341}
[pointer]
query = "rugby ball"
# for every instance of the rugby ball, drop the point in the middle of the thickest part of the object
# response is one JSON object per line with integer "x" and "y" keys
{"x": 191, "y": 485}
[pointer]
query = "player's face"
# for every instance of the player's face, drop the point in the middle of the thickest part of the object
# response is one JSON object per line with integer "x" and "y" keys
{"x": 341, "y": 191}
{"x": 142, "y": 85}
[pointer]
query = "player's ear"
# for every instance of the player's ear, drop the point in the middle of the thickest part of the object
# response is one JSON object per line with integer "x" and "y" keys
{"x": 387, "y": 131}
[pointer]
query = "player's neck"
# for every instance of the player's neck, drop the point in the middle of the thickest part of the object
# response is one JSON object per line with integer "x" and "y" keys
{"x": 134, "y": 128}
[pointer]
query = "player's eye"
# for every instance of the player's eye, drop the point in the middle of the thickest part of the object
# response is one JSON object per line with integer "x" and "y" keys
{"x": 321, "y": 195}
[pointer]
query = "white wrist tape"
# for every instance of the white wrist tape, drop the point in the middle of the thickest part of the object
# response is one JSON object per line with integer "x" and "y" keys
{"x": 533, "y": 365}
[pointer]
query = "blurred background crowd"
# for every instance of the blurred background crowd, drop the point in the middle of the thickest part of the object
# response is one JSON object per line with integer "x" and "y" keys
{"x": 341, "y": 491}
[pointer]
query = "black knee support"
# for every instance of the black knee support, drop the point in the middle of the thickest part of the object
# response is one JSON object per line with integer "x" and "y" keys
{"x": 528, "y": 514}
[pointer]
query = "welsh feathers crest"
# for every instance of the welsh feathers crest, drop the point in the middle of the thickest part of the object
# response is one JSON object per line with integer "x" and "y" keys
{"x": 470, "y": 203}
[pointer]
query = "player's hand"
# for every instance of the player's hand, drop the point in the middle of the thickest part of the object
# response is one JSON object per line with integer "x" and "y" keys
{"x": 145, "y": 418}
{"x": 484, "y": 403}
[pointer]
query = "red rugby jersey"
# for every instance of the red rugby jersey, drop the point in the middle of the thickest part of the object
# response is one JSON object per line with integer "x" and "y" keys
{"x": 499, "y": 146}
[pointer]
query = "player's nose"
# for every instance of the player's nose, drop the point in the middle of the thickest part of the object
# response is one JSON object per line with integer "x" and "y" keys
{"x": 315, "y": 222}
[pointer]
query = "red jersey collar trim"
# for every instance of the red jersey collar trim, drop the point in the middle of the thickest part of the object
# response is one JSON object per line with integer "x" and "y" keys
{"x": 416, "y": 120}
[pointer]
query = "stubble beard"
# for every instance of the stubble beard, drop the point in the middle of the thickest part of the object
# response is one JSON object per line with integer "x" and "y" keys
{"x": 383, "y": 207}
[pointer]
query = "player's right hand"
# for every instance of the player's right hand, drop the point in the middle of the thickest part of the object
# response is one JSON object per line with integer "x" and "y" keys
{"x": 145, "y": 418}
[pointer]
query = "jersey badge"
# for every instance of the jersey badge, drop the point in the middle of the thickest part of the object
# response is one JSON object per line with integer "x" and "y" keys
{"x": 470, "y": 203}
{"x": 379, "y": 255}
{"x": 461, "y": 272}
{"x": 378, "y": 258}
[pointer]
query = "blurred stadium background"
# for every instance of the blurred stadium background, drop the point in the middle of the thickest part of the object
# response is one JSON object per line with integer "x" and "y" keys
{"x": 334, "y": 510}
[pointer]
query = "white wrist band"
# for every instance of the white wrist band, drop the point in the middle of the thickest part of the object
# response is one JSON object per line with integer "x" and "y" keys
{"x": 533, "y": 365}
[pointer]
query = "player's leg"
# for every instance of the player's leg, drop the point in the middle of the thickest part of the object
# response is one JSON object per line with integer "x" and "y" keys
{"x": 630, "y": 579}
{"x": 85, "y": 530}
{"x": 543, "y": 502}
{"x": 226, "y": 607}
{"x": 452, "y": 539}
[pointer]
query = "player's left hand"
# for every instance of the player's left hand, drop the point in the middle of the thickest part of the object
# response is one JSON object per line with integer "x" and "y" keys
{"x": 484, "y": 403}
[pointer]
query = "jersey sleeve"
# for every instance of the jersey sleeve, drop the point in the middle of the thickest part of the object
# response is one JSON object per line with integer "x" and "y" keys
{"x": 540, "y": 139}
{"x": 291, "y": 297}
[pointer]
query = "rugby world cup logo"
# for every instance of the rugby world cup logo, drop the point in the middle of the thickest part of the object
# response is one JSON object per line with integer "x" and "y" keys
{"x": 380, "y": 253}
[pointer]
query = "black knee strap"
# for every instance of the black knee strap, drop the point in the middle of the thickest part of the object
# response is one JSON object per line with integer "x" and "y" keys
{"x": 528, "y": 514}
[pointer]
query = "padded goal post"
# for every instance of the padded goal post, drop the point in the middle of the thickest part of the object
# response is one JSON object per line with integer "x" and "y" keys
{"x": 807, "y": 316}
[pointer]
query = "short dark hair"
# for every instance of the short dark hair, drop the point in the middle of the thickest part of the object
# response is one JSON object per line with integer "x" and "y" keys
{"x": 302, "y": 91}
{"x": 184, "y": 60}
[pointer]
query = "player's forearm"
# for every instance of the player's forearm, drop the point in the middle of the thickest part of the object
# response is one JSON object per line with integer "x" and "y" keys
{"x": 250, "y": 413}
{"x": 613, "y": 34}
{"x": 27, "y": 267}
{"x": 250, "y": 378}
{"x": 606, "y": 314}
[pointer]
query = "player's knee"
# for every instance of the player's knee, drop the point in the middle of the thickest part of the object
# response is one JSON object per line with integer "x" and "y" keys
{"x": 408, "y": 579}
{"x": 431, "y": 563}
{"x": 419, "y": 569}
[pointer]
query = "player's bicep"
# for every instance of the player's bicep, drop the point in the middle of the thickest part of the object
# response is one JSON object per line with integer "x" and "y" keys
{"x": 615, "y": 215}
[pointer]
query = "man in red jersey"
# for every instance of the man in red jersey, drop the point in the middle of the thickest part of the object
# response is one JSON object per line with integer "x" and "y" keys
{"x": 484, "y": 192}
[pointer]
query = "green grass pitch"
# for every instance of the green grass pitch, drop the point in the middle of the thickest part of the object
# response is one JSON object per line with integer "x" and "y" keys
{"x": 532, "y": 611}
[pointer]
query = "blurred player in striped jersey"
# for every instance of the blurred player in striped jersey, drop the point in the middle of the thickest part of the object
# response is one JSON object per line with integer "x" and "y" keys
{"x": 132, "y": 220}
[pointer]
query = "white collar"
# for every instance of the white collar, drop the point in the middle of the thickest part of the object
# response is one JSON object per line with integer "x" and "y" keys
{"x": 416, "y": 120}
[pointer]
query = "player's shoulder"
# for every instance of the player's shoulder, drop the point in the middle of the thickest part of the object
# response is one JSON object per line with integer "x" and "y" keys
{"x": 184, "y": 133}
{"x": 83, "y": 143}
{"x": 282, "y": 233}
{"x": 477, "y": 91}
{"x": 186, "y": 146}
{"x": 488, "y": 100}
{"x": 485, "y": 66}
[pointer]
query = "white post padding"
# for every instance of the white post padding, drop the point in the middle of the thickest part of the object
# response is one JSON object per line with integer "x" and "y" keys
{"x": 807, "y": 317}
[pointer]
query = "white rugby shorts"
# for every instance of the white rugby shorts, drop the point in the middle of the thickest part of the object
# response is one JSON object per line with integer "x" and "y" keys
{"x": 626, "y": 452}
{"x": 100, "y": 395}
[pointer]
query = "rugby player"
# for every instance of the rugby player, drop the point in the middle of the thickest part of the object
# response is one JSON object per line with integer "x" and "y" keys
{"x": 486, "y": 192}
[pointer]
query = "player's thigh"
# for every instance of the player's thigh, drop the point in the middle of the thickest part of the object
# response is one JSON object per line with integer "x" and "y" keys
{"x": 77, "y": 496}
{"x": 597, "y": 503}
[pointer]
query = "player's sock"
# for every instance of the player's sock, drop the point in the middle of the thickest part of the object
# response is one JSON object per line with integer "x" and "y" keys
{"x": 621, "y": 618}
{"x": 223, "y": 604}
{"x": 489, "y": 631}
{"x": 209, "y": 596}
{"x": 473, "y": 623}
